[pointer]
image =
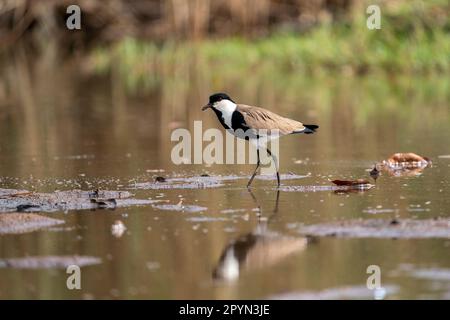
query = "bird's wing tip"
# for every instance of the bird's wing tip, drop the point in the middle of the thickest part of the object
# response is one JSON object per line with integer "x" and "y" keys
{"x": 310, "y": 128}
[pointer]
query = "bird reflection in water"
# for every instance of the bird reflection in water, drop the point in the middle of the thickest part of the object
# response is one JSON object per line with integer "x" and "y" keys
{"x": 257, "y": 250}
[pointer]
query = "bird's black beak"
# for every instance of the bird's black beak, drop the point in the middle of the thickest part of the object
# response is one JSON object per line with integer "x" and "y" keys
{"x": 206, "y": 106}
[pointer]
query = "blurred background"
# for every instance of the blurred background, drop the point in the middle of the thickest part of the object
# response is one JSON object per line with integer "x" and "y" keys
{"x": 147, "y": 65}
{"x": 95, "y": 108}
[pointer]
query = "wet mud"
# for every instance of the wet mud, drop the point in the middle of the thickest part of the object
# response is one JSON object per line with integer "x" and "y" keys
{"x": 381, "y": 228}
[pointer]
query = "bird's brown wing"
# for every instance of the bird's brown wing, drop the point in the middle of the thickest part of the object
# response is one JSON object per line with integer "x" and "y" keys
{"x": 259, "y": 118}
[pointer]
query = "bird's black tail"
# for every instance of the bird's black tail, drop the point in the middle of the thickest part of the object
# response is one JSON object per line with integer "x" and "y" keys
{"x": 310, "y": 128}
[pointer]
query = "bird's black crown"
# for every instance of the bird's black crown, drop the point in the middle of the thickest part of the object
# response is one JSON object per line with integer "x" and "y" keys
{"x": 219, "y": 96}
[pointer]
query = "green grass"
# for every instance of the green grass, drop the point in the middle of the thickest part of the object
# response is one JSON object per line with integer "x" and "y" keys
{"x": 414, "y": 40}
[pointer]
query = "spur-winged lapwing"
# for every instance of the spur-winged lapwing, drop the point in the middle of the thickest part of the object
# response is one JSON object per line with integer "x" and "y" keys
{"x": 254, "y": 123}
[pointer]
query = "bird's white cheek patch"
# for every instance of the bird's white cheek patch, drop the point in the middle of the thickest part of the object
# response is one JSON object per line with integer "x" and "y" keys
{"x": 227, "y": 108}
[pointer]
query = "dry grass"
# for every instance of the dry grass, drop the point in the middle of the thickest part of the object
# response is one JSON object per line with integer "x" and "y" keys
{"x": 162, "y": 19}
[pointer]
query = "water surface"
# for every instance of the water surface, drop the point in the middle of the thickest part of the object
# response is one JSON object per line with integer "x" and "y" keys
{"x": 63, "y": 128}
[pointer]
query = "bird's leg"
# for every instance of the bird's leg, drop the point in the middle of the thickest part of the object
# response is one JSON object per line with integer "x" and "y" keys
{"x": 259, "y": 213}
{"x": 275, "y": 210}
{"x": 275, "y": 161}
{"x": 256, "y": 169}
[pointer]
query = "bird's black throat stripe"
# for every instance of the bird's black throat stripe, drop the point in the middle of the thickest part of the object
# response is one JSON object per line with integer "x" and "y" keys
{"x": 220, "y": 117}
{"x": 237, "y": 121}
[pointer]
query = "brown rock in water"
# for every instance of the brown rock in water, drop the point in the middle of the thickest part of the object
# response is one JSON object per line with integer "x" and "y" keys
{"x": 406, "y": 160}
{"x": 404, "y": 164}
{"x": 160, "y": 179}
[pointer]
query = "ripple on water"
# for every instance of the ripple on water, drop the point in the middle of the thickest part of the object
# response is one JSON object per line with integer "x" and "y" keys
{"x": 49, "y": 262}
{"x": 432, "y": 274}
{"x": 364, "y": 187}
{"x": 379, "y": 211}
{"x": 347, "y": 292}
{"x": 228, "y": 211}
{"x": 183, "y": 183}
{"x": 178, "y": 207}
{"x": 203, "y": 182}
{"x": 16, "y": 223}
{"x": 206, "y": 219}
{"x": 437, "y": 274}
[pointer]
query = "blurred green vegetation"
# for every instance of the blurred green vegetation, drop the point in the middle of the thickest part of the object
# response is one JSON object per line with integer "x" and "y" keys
{"x": 414, "y": 40}
{"x": 373, "y": 92}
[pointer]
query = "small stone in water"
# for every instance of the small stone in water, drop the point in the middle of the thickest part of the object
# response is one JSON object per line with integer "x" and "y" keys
{"x": 374, "y": 173}
{"x": 394, "y": 222}
{"x": 118, "y": 229}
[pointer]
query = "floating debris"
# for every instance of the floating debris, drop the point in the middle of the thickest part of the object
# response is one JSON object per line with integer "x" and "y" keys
{"x": 381, "y": 228}
{"x": 49, "y": 262}
{"x": 160, "y": 179}
{"x": 16, "y": 223}
{"x": 351, "y": 183}
{"x": 118, "y": 229}
{"x": 288, "y": 176}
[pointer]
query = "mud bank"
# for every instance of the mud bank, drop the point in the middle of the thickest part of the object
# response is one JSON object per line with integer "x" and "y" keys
{"x": 24, "y": 201}
{"x": 381, "y": 228}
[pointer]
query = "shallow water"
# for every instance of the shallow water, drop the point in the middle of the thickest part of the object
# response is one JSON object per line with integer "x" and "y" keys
{"x": 65, "y": 129}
